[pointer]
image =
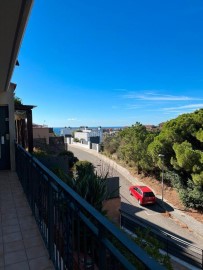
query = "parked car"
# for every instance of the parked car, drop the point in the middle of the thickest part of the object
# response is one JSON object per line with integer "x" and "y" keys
{"x": 143, "y": 194}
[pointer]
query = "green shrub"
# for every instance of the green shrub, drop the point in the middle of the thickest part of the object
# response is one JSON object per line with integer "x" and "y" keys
{"x": 83, "y": 168}
{"x": 173, "y": 179}
{"x": 39, "y": 153}
{"x": 148, "y": 243}
{"x": 63, "y": 176}
{"x": 192, "y": 196}
{"x": 66, "y": 153}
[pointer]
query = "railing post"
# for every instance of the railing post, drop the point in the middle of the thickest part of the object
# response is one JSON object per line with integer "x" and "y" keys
{"x": 102, "y": 251}
{"x": 32, "y": 195}
{"x": 50, "y": 222}
{"x": 202, "y": 258}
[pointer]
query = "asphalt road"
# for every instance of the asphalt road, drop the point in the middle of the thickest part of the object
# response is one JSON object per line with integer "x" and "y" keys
{"x": 152, "y": 213}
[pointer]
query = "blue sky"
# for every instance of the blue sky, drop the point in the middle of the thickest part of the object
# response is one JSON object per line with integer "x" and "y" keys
{"x": 111, "y": 63}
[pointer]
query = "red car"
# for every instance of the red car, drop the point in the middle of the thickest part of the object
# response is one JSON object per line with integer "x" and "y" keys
{"x": 143, "y": 194}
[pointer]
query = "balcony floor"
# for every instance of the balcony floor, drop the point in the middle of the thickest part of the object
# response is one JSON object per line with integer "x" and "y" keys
{"x": 21, "y": 245}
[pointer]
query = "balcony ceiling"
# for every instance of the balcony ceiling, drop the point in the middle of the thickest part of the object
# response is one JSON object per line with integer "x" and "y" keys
{"x": 13, "y": 18}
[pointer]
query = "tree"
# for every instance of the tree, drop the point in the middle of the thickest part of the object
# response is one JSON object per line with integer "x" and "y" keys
{"x": 180, "y": 141}
{"x": 111, "y": 144}
{"x": 133, "y": 144}
{"x": 199, "y": 135}
{"x": 17, "y": 101}
{"x": 189, "y": 161}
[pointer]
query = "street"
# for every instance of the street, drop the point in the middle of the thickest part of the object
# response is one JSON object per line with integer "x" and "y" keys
{"x": 152, "y": 213}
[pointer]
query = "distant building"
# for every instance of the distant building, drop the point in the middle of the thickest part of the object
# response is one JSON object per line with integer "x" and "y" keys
{"x": 153, "y": 128}
{"x": 89, "y": 135}
{"x": 42, "y": 132}
{"x": 67, "y": 131}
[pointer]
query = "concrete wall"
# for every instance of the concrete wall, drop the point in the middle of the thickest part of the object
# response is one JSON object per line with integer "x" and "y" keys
{"x": 7, "y": 98}
{"x": 113, "y": 204}
{"x": 112, "y": 207}
{"x": 87, "y": 146}
{"x": 95, "y": 146}
{"x": 113, "y": 187}
{"x": 41, "y": 132}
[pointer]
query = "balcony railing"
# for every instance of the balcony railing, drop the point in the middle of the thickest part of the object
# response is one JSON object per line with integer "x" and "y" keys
{"x": 76, "y": 235}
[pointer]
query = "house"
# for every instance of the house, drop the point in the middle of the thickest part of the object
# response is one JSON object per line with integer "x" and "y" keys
{"x": 42, "y": 132}
{"x": 67, "y": 131}
{"x": 86, "y": 135}
{"x": 76, "y": 235}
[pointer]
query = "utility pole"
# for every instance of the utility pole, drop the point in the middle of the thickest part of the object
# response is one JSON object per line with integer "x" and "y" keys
{"x": 162, "y": 178}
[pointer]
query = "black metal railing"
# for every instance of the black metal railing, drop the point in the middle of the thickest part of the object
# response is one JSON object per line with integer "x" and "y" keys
{"x": 171, "y": 244}
{"x": 76, "y": 235}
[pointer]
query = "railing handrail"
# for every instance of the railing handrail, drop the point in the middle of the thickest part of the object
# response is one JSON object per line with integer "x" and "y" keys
{"x": 139, "y": 253}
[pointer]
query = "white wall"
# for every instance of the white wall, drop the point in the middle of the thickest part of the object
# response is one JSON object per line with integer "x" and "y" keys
{"x": 82, "y": 135}
{"x": 86, "y": 134}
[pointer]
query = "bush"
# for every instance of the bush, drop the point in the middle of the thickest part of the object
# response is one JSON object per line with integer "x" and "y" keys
{"x": 83, "y": 168}
{"x": 66, "y": 153}
{"x": 191, "y": 196}
{"x": 173, "y": 179}
{"x": 39, "y": 153}
{"x": 72, "y": 158}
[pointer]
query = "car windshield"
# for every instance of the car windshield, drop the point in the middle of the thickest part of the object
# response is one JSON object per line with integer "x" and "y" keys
{"x": 148, "y": 194}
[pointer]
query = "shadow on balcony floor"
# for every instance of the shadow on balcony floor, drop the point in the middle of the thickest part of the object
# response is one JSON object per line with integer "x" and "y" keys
{"x": 21, "y": 245}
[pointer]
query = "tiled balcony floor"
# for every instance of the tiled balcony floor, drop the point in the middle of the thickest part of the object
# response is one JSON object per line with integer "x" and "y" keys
{"x": 21, "y": 245}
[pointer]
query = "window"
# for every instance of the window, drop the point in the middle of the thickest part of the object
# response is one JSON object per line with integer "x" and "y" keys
{"x": 148, "y": 194}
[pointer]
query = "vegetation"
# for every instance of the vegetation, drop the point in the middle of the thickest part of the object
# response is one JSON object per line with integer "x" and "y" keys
{"x": 39, "y": 153}
{"x": 72, "y": 159}
{"x": 149, "y": 243}
{"x": 86, "y": 183}
{"x": 17, "y": 101}
{"x": 66, "y": 153}
{"x": 181, "y": 143}
{"x": 83, "y": 168}
{"x": 93, "y": 189}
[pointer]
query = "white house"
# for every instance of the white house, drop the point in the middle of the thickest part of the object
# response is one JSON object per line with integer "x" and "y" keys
{"x": 67, "y": 131}
{"x": 90, "y": 135}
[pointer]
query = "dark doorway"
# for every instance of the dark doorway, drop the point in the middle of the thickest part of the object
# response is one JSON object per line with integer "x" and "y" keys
{"x": 4, "y": 139}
